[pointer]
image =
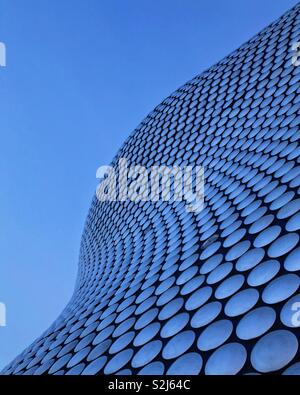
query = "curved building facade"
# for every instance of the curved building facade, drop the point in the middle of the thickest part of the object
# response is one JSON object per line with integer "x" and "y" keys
{"x": 162, "y": 290}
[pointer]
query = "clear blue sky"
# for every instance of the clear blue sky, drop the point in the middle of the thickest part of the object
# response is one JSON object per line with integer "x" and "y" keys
{"x": 80, "y": 75}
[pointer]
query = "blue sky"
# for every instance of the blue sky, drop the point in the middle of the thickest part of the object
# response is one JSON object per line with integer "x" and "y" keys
{"x": 80, "y": 75}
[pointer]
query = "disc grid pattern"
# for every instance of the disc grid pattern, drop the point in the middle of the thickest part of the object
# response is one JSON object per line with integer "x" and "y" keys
{"x": 164, "y": 291}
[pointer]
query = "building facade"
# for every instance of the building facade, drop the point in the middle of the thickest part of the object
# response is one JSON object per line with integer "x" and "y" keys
{"x": 166, "y": 290}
